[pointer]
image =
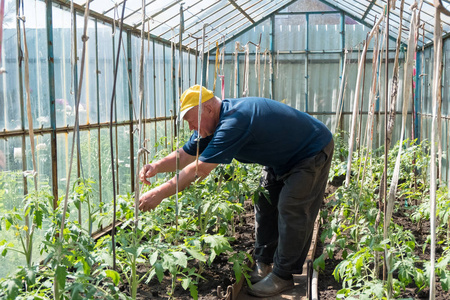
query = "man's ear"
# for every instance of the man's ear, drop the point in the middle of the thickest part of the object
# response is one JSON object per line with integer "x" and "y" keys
{"x": 208, "y": 107}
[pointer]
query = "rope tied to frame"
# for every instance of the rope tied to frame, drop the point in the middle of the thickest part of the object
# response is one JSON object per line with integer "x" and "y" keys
{"x": 216, "y": 65}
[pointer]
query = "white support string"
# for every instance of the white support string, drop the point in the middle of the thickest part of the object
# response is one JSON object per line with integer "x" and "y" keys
{"x": 141, "y": 150}
{"x": 200, "y": 102}
{"x": 84, "y": 38}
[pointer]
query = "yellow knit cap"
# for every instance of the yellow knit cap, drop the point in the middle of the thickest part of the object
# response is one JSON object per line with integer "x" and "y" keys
{"x": 190, "y": 98}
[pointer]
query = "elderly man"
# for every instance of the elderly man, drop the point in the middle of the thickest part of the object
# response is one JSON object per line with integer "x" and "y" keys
{"x": 295, "y": 150}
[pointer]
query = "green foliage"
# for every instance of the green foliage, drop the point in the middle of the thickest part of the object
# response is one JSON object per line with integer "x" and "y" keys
{"x": 355, "y": 219}
{"x": 162, "y": 243}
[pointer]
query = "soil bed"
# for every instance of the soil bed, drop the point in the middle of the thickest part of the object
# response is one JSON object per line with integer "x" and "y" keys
{"x": 220, "y": 273}
{"x": 328, "y": 286}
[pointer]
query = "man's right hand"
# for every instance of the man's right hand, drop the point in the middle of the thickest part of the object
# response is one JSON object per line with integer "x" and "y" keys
{"x": 146, "y": 172}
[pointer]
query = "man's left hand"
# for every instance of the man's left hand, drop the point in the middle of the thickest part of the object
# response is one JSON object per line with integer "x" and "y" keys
{"x": 150, "y": 200}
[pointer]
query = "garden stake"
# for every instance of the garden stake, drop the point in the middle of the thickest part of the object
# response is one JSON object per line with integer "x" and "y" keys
{"x": 207, "y": 65}
{"x": 113, "y": 231}
{"x": 246, "y": 70}
{"x": 341, "y": 94}
{"x": 436, "y": 97}
{"x": 394, "y": 94}
{"x": 408, "y": 76}
{"x": 358, "y": 139}
{"x": 216, "y": 65}
{"x": 390, "y": 128}
{"x": 180, "y": 68}
{"x": 31, "y": 134}
{"x": 383, "y": 178}
{"x": 76, "y": 134}
{"x": 200, "y": 101}
{"x": 141, "y": 104}
{"x": 372, "y": 93}
{"x": 355, "y": 104}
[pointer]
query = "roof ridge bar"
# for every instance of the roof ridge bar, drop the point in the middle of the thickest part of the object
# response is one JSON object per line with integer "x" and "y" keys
{"x": 257, "y": 22}
{"x": 177, "y": 14}
{"x": 159, "y": 12}
{"x": 234, "y": 16}
{"x": 241, "y": 10}
{"x": 243, "y": 24}
{"x": 368, "y": 9}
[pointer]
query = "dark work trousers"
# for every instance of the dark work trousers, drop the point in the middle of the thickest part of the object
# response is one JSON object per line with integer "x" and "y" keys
{"x": 285, "y": 222}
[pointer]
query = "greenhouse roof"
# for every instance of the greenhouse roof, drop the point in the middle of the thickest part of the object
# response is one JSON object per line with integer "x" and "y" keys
{"x": 226, "y": 18}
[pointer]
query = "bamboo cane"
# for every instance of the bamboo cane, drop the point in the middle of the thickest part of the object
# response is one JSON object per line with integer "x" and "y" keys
{"x": 356, "y": 103}
{"x": 435, "y": 136}
{"x": 408, "y": 74}
{"x": 372, "y": 93}
{"x": 341, "y": 93}
{"x": 141, "y": 104}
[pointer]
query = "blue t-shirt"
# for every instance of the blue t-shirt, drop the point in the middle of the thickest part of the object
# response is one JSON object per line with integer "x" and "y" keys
{"x": 262, "y": 131}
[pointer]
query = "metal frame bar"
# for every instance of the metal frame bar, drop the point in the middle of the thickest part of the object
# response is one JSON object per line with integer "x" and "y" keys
{"x": 192, "y": 16}
{"x": 98, "y": 119}
{"x": 137, "y": 10}
{"x": 369, "y": 8}
{"x": 103, "y": 18}
{"x": 199, "y": 30}
{"x": 51, "y": 82}
{"x": 241, "y": 10}
{"x": 130, "y": 107}
{"x": 187, "y": 8}
{"x": 175, "y": 2}
{"x": 306, "y": 63}
{"x": 272, "y": 50}
{"x": 243, "y": 18}
{"x": 234, "y": 36}
{"x": 416, "y": 102}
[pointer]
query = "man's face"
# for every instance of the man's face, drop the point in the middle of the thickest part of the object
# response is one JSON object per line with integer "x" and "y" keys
{"x": 207, "y": 125}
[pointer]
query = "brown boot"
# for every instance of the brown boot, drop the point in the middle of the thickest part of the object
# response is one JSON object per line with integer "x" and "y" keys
{"x": 260, "y": 270}
{"x": 271, "y": 285}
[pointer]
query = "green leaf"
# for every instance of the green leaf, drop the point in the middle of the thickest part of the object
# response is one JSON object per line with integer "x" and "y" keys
{"x": 319, "y": 263}
{"x": 86, "y": 267}
{"x": 194, "y": 291}
{"x": 30, "y": 276}
{"x": 181, "y": 258}
{"x": 197, "y": 254}
{"x": 330, "y": 250}
{"x": 419, "y": 278}
{"x": 445, "y": 281}
{"x": 185, "y": 282}
{"x": 159, "y": 271}
{"x": 115, "y": 277}
{"x": 12, "y": 289}
{"x": 7, "y": 224}
{"x": 218, "y": 242}
{"x": 38, "y": 218}
{"x": 359, "y": 264}
{"x": 153, "y": 258}
{"x": 61, "y": 274}
{"x": 237, "y": 271}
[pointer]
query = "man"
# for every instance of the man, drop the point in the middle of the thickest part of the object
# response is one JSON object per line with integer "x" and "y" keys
{"x": 296, "y": 150}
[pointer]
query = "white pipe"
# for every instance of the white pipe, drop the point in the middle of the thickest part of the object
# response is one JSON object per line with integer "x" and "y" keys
{"x": 315, "y": 285}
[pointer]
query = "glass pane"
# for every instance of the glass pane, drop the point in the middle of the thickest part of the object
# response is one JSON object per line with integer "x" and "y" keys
{"x": 9, "y": 80}
{"x": 290, "y": 33}
{"x": 307, "y": 5}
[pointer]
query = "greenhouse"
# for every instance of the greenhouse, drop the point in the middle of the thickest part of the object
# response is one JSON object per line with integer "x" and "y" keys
{"x": 225, "y": 149}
